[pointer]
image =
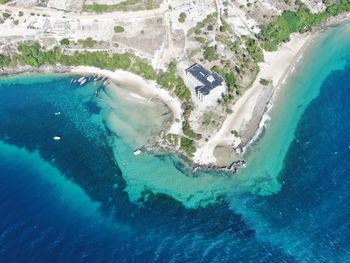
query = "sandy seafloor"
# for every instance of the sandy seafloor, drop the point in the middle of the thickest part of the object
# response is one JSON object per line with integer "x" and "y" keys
{"x": 87, "y": 198}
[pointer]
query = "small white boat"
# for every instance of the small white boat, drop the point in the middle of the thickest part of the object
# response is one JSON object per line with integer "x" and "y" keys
{"x": 57, "y": 113}
{"x": 57, "y": 138}
{"x": 137, "y": 152}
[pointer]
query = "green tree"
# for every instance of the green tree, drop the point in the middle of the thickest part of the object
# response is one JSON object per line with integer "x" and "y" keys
{"x": 64, "y": 41}
{"x": 254, "y": 50}
{"x": 119, "y": 29}
{"x": 210, "y": 53}
{"x": 182, "y": 17}
{"x": 187, "y": 145}
{"x": 88, "y": 42}
{"x": 264, "y": 82}
{"x": 4, "y": 61}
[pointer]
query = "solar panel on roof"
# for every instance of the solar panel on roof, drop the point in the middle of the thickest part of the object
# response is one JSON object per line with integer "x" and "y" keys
{"x": 209, "y": 80}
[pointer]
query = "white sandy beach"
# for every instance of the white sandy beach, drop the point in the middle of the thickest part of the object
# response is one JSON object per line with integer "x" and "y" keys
{"x": 277, "y": 66}
{"x": 149, "y": 88}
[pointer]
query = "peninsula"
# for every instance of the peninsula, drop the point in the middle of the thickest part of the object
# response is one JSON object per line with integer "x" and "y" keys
{"x": 215, "y": 63}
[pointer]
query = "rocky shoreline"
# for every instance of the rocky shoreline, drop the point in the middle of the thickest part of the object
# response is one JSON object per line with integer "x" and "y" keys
{"x": 26, "y": 70}
{"x": 162, "y": 147}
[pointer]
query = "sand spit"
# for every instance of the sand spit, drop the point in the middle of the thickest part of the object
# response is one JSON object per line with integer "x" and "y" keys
{"x": 249, "y": 109}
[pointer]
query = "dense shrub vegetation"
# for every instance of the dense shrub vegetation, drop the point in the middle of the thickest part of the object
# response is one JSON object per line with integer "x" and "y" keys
{"x": 209, "y": 53}
{"x": 122, "y": 6}
{"x": 254, "y": 50}
{"x": 187, "y": 145}
{"x": 300, "y": 21}
{"x": 171, "y": 81}
{"x": 64, "y": 42}
{"x": 101, "y": 8}
{"x": 88, "y": 42}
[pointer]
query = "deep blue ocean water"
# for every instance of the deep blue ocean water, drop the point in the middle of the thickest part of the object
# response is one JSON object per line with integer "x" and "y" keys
{"x": 64, "y": 201}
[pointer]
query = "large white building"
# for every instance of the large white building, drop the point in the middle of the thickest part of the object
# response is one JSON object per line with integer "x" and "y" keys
{"x": 208, "y": 86}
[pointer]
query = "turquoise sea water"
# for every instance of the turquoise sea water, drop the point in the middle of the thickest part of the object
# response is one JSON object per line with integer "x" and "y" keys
{"x": 87, "y": 198}
{"x": 328, "y": 52}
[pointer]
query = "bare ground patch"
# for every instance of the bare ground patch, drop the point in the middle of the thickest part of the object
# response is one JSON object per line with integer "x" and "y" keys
{"x": 145, "y": 35}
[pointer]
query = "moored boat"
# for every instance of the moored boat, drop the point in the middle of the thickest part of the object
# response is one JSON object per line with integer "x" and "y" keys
{"x": 137, "y": 152}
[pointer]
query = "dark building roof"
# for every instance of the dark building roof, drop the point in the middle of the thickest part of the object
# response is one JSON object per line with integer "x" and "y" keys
{"x": 208, "y": 79}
